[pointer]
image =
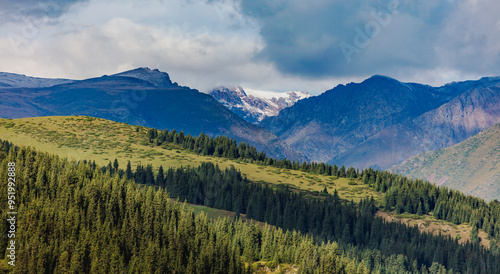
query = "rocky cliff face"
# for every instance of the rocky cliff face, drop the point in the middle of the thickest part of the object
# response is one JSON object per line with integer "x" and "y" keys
{"x": 253, "y": 106}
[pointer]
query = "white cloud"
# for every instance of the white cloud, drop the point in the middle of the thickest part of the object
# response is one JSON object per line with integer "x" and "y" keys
{"x": 217, "y": 47}
{"x": 203, "y": 43}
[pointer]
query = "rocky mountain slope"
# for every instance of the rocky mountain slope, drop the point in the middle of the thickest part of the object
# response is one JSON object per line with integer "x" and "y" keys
{"x": 252, "y": 105}
{"x": 140, "y": 97}
{"x": 157, "y": 78}
{"x": 474, "y": 110}
{"x": 381, "y": 121}
{"x": 472, "y": 166}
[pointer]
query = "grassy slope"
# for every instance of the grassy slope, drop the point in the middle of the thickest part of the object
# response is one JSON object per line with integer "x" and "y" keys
{"x": 471, "y": 166}
{"x": 427, "y": 223}
{"x": 86, "y": 138}
{"x": 214, "y": 213}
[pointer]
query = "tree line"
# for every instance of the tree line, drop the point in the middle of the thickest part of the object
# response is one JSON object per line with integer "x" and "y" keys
{"x": 222, "y": 146}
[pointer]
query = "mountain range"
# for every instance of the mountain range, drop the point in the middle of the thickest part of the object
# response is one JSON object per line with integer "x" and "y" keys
{"x": 377, "y": 123}
{"x": 381, "y": 121}
{"x": 253, "y": 105}
{"x": 139, "y": 97}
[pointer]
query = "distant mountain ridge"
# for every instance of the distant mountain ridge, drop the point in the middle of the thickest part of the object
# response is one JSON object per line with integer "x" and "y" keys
{"x": 475, "y": 108}
{"x": 252, "y": 105}
{"x": 377, "y": 123}
{"x": 472, "y": 166}
{"x": 157, "y": 78}
{"x": 140, "y": 97}
{"x": 381, "y": 121}
{"x": 12, "y": 80}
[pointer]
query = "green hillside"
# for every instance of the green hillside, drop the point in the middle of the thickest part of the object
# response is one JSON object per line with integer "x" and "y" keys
{"x": 257, "y": 189}
{"x": 90, "y": 222}
{"x": 79, "y": 217}
{"x": 100, "y": 140}
{"x": 471, "y": 166}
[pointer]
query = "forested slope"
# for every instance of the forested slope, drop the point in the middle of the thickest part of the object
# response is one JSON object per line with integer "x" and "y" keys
{"x": 74, "y": 218}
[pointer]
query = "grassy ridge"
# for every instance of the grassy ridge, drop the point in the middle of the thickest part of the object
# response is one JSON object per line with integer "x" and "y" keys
{"x": 83, "y": 138}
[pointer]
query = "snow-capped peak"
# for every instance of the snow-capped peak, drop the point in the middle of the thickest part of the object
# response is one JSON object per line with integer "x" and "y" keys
{"x": 271, "y": 94}
{"x": 255, "y": 105}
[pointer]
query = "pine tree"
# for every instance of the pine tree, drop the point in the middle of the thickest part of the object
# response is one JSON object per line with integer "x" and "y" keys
{"x": 420, "y": 211}
{"x": 351, "y": 268}
{"x": 160, "y": 177}
{"x": 325, "y": 190}
{"x": 342, "y": 172}
{"x": 474, "y": 236}
{"x": 115, "y": 165}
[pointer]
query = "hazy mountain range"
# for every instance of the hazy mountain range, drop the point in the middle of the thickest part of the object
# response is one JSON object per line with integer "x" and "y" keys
{"x": 381, "y": 121}
{"x": 473, "y": 166}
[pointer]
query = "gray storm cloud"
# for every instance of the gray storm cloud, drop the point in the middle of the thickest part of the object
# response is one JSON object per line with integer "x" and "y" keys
{"x": 325, "y": 38}
{"x": 266, "y": 44}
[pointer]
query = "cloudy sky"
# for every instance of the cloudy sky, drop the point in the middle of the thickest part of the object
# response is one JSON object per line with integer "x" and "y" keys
{"x": 261, "y": 44}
